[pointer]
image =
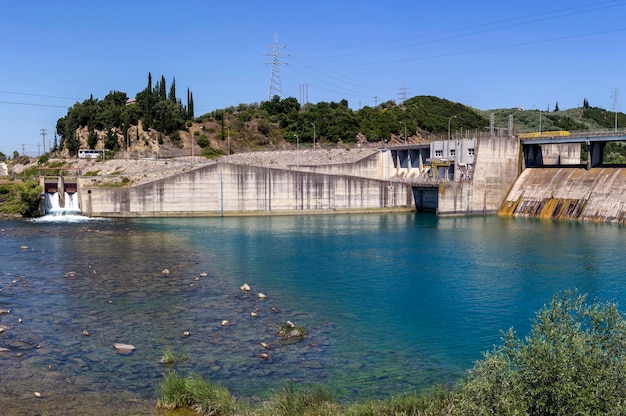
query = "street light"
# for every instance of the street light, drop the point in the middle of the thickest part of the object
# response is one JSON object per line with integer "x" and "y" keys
{"x": 228, "y": 130}
{"x": 539, "y": 118}
{"x": 402, "y": 122}
{"x": 449, "y": 120}
{"x": 313, "y": 124}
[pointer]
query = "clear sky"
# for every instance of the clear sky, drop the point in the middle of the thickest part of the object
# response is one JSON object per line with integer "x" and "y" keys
{"x": 485, "y": 54}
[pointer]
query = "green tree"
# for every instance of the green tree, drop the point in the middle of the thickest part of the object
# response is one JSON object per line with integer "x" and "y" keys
{"x": 3, "y": 157}
{"x": 172, "y": 95}
{"x": 190, "y": 109}
{"x": 92, "y": 139}
{"x": 573, "y": 362}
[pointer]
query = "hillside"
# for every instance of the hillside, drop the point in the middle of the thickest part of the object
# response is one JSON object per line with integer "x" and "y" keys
{"x": 156, "y": 123}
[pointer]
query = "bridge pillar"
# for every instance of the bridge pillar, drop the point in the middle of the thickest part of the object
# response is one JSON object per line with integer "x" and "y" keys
{"x": 533, "y": 155}
{"x": 595, "y": 156}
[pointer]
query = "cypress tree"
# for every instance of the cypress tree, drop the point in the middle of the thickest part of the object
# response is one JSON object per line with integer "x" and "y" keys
{"x": 190, "y": 104}
{"x": 172, "y": 96}
{"x": 162, "y": 94}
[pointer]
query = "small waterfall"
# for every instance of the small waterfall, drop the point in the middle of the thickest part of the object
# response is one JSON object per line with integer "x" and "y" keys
{"x": 53, "y": 204}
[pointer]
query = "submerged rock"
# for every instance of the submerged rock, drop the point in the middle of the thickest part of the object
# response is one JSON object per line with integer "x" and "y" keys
{"x": 124, "y": 348}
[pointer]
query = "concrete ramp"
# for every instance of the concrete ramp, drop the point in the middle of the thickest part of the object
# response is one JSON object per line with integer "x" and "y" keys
{"x": 597, "y": 195}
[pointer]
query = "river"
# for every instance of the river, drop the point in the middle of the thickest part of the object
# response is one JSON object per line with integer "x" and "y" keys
{"x": 391, "y": 302}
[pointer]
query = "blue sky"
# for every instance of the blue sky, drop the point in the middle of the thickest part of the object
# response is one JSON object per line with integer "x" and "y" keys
{"x": 484, "y": 54}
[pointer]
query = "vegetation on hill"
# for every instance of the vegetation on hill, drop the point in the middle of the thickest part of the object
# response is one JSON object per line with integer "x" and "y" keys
{"x": 155, "y": 118}
{"x": 110, "y": 120}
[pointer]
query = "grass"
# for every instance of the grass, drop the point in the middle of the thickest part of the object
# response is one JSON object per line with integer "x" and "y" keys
{"x": 208, "y": 398}
{"x": 170, "y": 357}
{"x": 195, "y": 392}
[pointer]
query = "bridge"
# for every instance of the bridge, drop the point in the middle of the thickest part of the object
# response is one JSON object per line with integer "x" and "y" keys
{"x": 534, "y": 147}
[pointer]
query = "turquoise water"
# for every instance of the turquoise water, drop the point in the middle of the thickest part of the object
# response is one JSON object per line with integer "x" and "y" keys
{"x": 392, "y": 302}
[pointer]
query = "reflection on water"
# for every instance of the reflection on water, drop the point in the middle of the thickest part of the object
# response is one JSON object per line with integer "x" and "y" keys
{"x": 392, "y": 302}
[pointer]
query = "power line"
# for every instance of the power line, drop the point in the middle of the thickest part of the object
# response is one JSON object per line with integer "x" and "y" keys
{"x": 33, "y": 104}
{"x": 37, "y": 95}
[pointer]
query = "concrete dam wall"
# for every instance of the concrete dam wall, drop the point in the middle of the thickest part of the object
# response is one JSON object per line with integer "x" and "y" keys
{"x": 597, "y": 194}
{"x": 231, "y": 189}
{"x": 496, "y": 168}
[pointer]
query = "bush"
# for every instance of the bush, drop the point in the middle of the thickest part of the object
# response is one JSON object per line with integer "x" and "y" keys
{"x": 573, "y": 361}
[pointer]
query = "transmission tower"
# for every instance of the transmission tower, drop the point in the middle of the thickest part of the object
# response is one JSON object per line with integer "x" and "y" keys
{"x": 304, "y": 94}
{"x": 43, "y": 138}
{"x": 403, "y": 92}
{"x": 275, "y": 84}
{"x": 615, "y": 97}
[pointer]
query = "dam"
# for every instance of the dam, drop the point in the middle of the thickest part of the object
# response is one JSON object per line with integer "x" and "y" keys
{"x": 487, "y": 174}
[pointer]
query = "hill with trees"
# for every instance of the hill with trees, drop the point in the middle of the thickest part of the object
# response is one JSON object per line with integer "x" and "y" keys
{"x": 156, "y": 119}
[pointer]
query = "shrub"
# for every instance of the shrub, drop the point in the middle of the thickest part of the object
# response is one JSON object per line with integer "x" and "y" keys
{"x": 202, "y": 140}
{"x": 573, "y": 361}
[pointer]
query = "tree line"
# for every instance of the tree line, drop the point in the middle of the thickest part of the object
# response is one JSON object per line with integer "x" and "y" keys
{"x": 154, "y": 107}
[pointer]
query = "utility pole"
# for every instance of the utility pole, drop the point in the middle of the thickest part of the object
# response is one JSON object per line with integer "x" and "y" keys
{"x": 43, "y": 138}
{"x": 275, "y": 83}
{"x": 23, "y": 151}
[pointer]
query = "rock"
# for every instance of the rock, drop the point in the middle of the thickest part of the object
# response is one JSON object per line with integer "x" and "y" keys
{"x": 266, "y": 345}
{"x": 124, "y": 348}
{"x": 203, "y": 274}
{"x": 86, "y": 333}
{"x": 5, "y": 311}
{"x": 245, "y": 287}
{"x": 24, "y": 247}
{"x": 186, "y": 333}
{"x": 290, "y": 324}
{"x": 224, "y": 322}
{"x": 165, "y": 271}
{"x": 37, "y": 394}
{"x": 254, "y": 314}
{"x": 4, "y": 349}
{"x": 262, "y": 296}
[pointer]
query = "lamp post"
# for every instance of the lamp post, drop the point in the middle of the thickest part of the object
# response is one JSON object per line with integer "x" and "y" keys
{"x": 228, "y": 132}
{"x": 535, "y": 106}
{"x": 297, "y": 142}
{"x": 313, "y": 124}
{"x": 449, "y": 121}
{"x": 403, "y": 123}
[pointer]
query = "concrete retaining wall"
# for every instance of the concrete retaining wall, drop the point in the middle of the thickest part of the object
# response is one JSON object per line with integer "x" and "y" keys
{"x": 229, "y": 189}
{"x": 373, "y": 166}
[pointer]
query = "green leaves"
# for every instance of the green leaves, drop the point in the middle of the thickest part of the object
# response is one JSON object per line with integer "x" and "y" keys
{"x": 573, "y": 361}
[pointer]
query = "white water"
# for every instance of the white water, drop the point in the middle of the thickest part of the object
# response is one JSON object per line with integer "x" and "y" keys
{"x": 53, "y": 204}
{"x": 69, "y": 212}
